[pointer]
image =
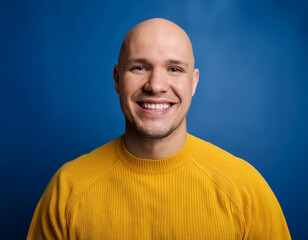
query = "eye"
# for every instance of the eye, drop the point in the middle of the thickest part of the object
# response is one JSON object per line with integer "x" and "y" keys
{"x": 140, "y": 68}
{"x": 175, "y": 69}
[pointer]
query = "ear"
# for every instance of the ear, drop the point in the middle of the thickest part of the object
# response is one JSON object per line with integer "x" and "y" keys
{"x": 195, "y": 80}
{"x": 116, "y": 78}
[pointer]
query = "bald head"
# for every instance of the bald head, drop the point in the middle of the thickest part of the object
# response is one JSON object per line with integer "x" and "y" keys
{"x": 154, "y": 33}
{"x": 155, "y": 70}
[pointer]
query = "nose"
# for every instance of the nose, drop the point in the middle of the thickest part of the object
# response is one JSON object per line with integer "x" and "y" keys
{"x": 156, "y": 82}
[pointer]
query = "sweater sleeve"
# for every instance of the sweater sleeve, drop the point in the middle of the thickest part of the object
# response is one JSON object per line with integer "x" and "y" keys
{"x": 264, "y": 217}
{"x": 49, "y": 220}
{"x": 249, "y": 192}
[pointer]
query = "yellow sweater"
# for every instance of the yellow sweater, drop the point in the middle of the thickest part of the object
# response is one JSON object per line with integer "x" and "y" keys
{"x": 201, "y": 192}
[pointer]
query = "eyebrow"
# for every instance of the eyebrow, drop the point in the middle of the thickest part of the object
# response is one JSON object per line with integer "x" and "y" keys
{"x": 138, "y": 60}
{"x": 178, "y": 62}
{"x": 172, "y": 61}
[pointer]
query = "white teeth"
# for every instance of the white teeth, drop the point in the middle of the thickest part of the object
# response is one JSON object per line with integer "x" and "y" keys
{"x": 156, "y": 107}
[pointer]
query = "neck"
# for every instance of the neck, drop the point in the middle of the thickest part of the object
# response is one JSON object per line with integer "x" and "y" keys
{"x": 144, "y": 147}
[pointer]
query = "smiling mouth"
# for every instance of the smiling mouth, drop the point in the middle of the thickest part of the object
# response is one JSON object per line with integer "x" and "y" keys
{"x": 154, "y": 106}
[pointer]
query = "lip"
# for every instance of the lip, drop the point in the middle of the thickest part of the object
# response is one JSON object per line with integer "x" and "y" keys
{"x": 156, "y": 101}
{"x": 152, "y": 111}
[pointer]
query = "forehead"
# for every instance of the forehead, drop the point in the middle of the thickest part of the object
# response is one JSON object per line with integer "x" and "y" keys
{"x": 159, "y": 44}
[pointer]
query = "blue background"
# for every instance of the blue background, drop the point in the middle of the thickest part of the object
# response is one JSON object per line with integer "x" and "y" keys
{"x": 58, "y": 101}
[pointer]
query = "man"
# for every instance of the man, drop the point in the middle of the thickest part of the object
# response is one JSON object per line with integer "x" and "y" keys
{"x": 157, "y": 181}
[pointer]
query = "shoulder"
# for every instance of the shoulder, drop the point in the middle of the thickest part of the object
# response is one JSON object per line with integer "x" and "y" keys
{"x": 236, "y": 177}
{"x": 97, "y": 162}
{"x": 245, "y": 188}
{"x": 219, "y": 162}
{"x": 76, "y": 176}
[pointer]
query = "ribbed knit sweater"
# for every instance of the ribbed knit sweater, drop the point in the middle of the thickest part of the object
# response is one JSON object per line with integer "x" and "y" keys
{"x": 201, "y": 192}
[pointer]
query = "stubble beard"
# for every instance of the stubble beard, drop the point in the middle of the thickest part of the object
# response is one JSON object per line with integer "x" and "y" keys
{"x": 157, "y": 134}
{"x": 143, "y": 132}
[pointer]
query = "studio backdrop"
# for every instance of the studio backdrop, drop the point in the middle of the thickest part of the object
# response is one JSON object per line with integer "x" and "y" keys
{"x": 57, "y": 97}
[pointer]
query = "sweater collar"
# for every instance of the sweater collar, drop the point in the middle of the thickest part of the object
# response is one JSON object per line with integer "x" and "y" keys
{"x": 155, "y": 165}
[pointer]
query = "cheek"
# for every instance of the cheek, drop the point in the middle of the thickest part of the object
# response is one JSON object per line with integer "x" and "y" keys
{"x": 130, "y": 85}
{"x": 126, "y": 88}
{"x": 183, "y": 89}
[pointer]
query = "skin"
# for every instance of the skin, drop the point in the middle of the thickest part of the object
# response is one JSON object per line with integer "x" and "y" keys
{"x": 156, "y": 66}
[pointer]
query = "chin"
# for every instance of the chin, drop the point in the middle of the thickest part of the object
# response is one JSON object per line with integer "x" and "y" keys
{"x": 157, "y": 133}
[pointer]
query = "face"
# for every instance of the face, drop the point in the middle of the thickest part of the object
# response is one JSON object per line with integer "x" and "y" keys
{"x": 156, "y": 80}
